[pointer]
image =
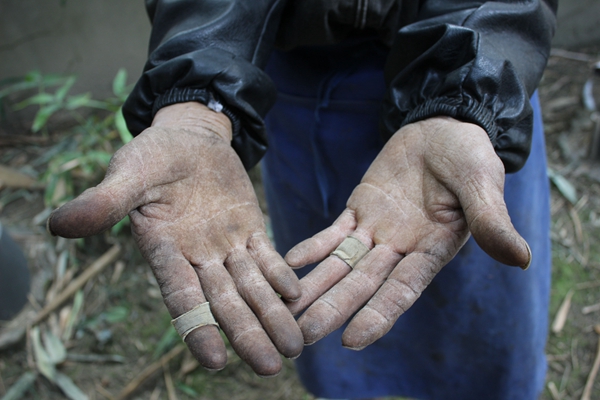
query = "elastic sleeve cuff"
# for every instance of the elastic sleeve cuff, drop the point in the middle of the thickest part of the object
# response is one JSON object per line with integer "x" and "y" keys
{"x": 204, "y": 96}
{"x": 472, "y": 112}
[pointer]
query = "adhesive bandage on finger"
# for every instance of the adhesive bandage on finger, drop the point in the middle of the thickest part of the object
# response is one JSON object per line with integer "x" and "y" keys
{"x": 195, "y": 318}
{"x": 351, "y": 251}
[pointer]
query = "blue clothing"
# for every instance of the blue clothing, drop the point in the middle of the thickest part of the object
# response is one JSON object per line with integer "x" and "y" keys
{"x": 479, "y": 330}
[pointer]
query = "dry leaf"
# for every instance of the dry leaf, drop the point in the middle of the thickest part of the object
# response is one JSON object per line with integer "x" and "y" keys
{"x": 12, "y": 178}
{"x": 561, "y": 315}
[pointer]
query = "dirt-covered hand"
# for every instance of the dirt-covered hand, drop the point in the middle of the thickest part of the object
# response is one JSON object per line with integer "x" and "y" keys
{"x": 197, "y": 222}
{"x": 433, "y": 183}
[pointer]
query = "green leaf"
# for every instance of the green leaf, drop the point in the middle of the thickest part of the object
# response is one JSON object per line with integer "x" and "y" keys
{"x": 187, "y": 390}
{"x": 80, "y": 100}
{"x": 121, "y": 125}
{"x": 64, "y": 89}
{"x": 54, "y": 348}
{"x": 40, "y": 98}
{"x": 43, "y": 115}
{"x": 564, "y": 186}
{"x": 42, "y": 359}
{"x": 118, "y": 227}
{"x": 116, "y": 314}
{"x": 69, "y": 388}
{"x": 166, "y": 342}
{"x": 119, "y": 83}
{"x": 77, "y": 306}
{"x": 96, "y": 157}
{"x": 18, "y": 390}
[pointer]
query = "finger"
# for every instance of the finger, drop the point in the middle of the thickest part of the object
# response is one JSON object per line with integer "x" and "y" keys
{"x": 181, "y": 292}
{"x": 275, "y": 270}
{"x": 244, "y": 331}
{"x": 320, "y": 245}
{"x": 399, "y": 292}
{"x": 325, "y": 275}
{"x": 96, "y": 209}
{"x": 275, "y": 318}
{"x": 318, "y": 281}
{"x": 331, "y": 310}
{"x": 491, "y": 227}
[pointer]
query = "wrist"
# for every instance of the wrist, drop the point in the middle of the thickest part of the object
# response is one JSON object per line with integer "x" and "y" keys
{"x": 195, "y": 117}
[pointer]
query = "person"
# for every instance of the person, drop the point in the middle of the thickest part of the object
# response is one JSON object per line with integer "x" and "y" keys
{"x": 392, "y": 129}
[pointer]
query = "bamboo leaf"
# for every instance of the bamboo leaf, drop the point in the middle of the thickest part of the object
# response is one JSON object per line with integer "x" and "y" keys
{"x": 54, "y": 348}
{"x": 69, "y": 388}
{"x": 18, "y": 390}
{"x": 121, "y": 125}
{"x": 42, "y": 359}
{"x": 564, "y": 186}
{"x": 80, "y": 100}
{"x": 43, "y": 115}
{"x": 116, "y": 314}
{"x": 119, "y": 83}
{"x": 77, "y": 306}
{"x": 40, "y": 98}
{"x": 62, "y": 91}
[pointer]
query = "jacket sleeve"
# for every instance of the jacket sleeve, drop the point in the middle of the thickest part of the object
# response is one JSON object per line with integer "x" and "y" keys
{"x": 213, "y": 52}
{"x": 478, "y": 62}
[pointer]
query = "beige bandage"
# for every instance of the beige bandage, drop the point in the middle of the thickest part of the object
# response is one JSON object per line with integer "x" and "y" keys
{"x": 195, "y": 318}
{"x": 351, "y": 250}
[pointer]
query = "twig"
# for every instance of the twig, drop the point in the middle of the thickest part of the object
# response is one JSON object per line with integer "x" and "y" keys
{"x": 2, "y": 387}
{"x": 571, "y": 55}
{"x": 169, "y": 383}
{"x": 13, "y": 140}
{"x": 119, "y": 267}
{"x": 96, "y": 358}
{"x": 561, "y": 315}
{"x": 587, "y": 392}
{"x": 590, "y": 309}
{"x": 553, "y": 391}
{"x": 78, "y": 282}
{"x": 574, "y": 358}
{"x": 149, "y": 371}
{"x": 104, "y": 392}
{"x": 155, "y": 393}
{"x": 587, "y": 285}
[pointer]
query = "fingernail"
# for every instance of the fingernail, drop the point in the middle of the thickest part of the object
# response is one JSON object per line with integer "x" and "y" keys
{"x": 526, "y": 266}
{"x": 268, "y": 376}
{"x": 354, "y": 348}
{"x": 213, "y": 369}
{"x": 48, "y": 225}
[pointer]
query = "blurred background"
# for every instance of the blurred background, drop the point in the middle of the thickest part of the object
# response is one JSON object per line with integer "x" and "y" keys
{"x": 88, "y": 320}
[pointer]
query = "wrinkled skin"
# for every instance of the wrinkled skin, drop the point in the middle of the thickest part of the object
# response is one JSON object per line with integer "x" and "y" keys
{"x": 197, "y": 222}
{"x": 433, "y": 183}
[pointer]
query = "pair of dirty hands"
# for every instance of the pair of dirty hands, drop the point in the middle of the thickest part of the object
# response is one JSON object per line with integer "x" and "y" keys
{"x": 196, "y": 219}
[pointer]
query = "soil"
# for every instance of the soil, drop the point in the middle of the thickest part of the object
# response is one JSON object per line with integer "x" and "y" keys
{"x": 123, "y": 314}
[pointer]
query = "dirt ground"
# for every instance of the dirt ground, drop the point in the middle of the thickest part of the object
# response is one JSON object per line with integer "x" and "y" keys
{"x": 123, "y": 322}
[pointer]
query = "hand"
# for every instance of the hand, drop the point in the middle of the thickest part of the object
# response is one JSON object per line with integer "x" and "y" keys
{"x": 197, "y": 222}
{"x": 433, "y": 183}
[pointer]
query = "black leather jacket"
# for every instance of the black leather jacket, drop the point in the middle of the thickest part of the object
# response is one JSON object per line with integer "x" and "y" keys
{"x": 475, "y": 61}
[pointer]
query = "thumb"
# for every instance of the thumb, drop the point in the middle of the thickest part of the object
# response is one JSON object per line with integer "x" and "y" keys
{"x": 96, "y": 209}
{"x": 493, "y": 230}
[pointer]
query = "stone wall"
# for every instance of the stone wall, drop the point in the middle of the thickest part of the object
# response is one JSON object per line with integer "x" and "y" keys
{"x": 89, "y": 38}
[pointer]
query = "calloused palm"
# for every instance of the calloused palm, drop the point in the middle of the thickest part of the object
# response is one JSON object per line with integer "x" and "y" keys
{"x": 197, "y": 222}
{"x": 434, "y": 183}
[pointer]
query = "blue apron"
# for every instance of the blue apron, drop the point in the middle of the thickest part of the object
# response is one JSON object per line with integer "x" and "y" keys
{"x": 479, "y": 330}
